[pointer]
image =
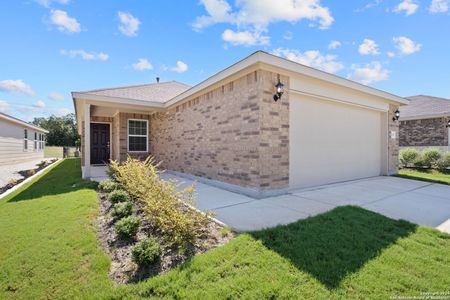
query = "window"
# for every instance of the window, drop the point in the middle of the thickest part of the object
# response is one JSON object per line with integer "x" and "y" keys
{"x": 137, "y": 135}
{"x": 35, "y": 141}
{"x": 25, "y": 139}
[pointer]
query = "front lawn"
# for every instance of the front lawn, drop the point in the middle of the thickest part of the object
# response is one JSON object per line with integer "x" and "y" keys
{"x": 431, "y": 175}
{"x": 49, "y": 250}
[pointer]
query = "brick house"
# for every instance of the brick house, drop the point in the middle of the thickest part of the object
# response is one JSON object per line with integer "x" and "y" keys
{"x": 229, "y": 131}
{"x": 424, "y": 123}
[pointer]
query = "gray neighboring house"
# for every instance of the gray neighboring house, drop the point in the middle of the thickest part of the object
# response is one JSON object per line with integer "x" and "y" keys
{"x": 424, "y": 123}
{"x": 20, "y": 141}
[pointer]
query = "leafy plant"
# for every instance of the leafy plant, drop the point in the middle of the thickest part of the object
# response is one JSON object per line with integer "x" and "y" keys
{"x": 408, "y": 156}
{"x": 30, "y": 172}
{"x": 165, "y": 207}
{"x": 146, "y": 251}
{"x": 121, "y": 210}
{"x": 107, "y": 186}
{"x": 444, "y": 162}
{"x": 118, "y": 196}
{"x": 127, "y": 227}
{"x": 431, "y": 157}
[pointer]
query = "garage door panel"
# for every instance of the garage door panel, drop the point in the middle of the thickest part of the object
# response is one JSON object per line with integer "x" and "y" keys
{"x": 332, "y": 142}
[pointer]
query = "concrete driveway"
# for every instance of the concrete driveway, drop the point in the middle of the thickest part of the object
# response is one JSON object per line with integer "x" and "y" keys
{"x": 416, "y": 201}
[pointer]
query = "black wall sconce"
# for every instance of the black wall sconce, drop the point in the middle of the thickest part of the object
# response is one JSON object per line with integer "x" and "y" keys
{"x": 280, "y": 90}
{"x": 396, "y": 115}
{"x": 448, "y": 124}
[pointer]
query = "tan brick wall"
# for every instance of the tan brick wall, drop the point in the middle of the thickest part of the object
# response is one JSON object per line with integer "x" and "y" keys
{"x": 425, "y": 132}
{"x": 393, "y": 144}
{"x": 229, "y": 134}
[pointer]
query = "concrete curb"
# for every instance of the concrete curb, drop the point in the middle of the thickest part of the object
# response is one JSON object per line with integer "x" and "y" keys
{"x": 16, "y": 187}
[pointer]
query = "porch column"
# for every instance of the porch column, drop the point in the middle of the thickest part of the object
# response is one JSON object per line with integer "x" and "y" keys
{"x": 87, "y": 142}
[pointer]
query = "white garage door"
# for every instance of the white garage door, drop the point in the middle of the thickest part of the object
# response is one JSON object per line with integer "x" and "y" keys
{"x": 332, "y": 142}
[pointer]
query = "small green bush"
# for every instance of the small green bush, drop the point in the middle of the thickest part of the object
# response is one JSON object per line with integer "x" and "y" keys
{"x": 444, "y": 162}
{"x": 122, "y": 210}
{"x": 146, "y": 252}
{"x": 431, "y": 156}
{"x": 127, "y": 227}
{"x": 107, "y": 186}
{"x": 117, "y": 196}
{"x": 408, "y": 156}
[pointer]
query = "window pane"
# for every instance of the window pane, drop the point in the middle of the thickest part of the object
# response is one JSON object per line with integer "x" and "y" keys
{"x": 35, "y": 135}
{"x": 25, "y": 133}
{"x": 137, "y": 127}
{"x": 137, "y": 143}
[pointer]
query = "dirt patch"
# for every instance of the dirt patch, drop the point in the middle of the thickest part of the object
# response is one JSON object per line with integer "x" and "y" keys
{"x": 25, "y": 174}
{"x": 124, "y": 270}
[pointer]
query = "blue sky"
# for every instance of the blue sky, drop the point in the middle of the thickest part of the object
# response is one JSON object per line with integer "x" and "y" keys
{"x": 50, "y": 48}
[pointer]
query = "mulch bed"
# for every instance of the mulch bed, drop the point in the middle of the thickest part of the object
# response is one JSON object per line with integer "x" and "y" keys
{"x": 124, "y": 270}
{"x": 25, "y": 174}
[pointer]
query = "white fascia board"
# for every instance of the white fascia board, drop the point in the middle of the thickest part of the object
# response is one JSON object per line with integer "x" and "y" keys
{"x": 429, "y": 116}
{"x": 117, "y": 100}
{"x": 22, "y": 123}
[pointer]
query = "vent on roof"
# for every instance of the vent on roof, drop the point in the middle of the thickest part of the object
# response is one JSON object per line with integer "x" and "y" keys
{"x": 157, "y": 79}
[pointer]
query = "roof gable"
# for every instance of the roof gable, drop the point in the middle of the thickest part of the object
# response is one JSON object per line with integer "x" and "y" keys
{"x": 422, "y": 106}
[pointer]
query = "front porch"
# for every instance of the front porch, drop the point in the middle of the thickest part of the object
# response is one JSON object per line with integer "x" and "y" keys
{"x": 112, "y": 133}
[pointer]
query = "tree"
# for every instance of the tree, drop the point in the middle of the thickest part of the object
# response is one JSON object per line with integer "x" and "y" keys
{"x": 62, "y": 130}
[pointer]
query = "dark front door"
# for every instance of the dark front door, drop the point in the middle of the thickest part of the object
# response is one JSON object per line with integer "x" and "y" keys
{"x": 99, "y": 143}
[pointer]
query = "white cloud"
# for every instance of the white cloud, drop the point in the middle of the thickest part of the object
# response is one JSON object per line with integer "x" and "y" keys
{"x": 47, "y": 3}
{"x": 180, "y": 67}
{"x": 16, "y": 86}
{"x": 86, "y": 55}
{"x": 391, "y": 54}
{"x": 245, "y": 38}
{"x": 142, "y": 65}
{"x": 369, "y": 5}
{"x": 252, "y": 17}
{"x": 407, "y": 6}
{"x": 368, "y": 47}
{"x": 334, "y": 45}
{"x": 63, "y": 22}
{"x": 369, "y": 73}
{"x": 129, "y": 25}
{"x": 4, "y": 106}
{"x": 406, "y": 46}
{"x": 55, "y": 96}
{"x": 39, "y": 104}
{"x": 439, "y": 6}
{"x": 312, "y": 58}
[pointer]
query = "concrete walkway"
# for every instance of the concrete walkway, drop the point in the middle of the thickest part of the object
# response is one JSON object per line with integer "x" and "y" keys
{"x": 11, "y": 171}
{"x": 416, "y": 201}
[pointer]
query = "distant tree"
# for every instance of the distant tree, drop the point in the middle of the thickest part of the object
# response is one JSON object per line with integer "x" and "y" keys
{"x": 62, "y": 130}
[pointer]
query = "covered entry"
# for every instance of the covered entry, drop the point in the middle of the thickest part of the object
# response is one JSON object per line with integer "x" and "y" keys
{"x": 100, "y": 143}
{"x": 334, "y": 142}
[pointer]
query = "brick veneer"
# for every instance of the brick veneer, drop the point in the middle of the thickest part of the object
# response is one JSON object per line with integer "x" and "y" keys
{"x": 235, "y": 133}
{"x": 393, "y": 143}
{"x": 425, "y": 132}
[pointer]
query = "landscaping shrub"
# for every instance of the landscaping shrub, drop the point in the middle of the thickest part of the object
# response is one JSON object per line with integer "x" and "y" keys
{"x": 117, "y": 196}
{"x": 107, "y": 185}
{"x": 408, "y": 156}
{"x": 431, "y": 157}
{"x": 444, "y": 162}
{"x": 146, "y": 251}
{"x": 30, "y": 172}
{"x": 162, "y": 203}
{"x": 122, "y": 210}
{"x": 127, "y": 227}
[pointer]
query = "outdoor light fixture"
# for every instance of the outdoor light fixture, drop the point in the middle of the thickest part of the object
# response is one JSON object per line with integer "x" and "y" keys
{"x": 396, "y": 115}
{"x": 448, "y": 124}
{"x": 280, "y": 90}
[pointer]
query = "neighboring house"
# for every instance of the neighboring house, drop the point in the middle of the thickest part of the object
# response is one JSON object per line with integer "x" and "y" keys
{"x": 20, "y": 141}
{"x": 424, "y": 123}
{"x": 229, "y": 131}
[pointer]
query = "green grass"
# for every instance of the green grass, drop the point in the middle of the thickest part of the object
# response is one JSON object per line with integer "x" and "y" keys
{"x": 431, "y": 175}
{"x": 49, "y": 250}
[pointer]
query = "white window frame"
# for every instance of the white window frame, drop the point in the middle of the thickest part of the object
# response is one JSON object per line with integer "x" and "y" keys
{"x": 137, "y": 135}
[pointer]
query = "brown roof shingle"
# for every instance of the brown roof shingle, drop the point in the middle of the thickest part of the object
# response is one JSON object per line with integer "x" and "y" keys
{"x": 155, "y": 92}
{"x": 422, "y": 106}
